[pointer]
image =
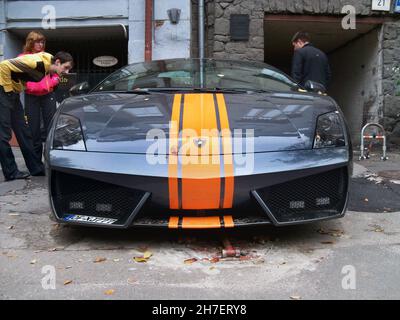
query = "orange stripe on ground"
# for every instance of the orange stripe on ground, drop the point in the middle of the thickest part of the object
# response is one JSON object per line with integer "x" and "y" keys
{"x": 173, "y": 222}
{"x": 201, "y": 176}
{"x": 173, "y": 153}
{"x": 228, "y": 222}
{"x": 227, "y": 151}
{"x": 201, "y": 223}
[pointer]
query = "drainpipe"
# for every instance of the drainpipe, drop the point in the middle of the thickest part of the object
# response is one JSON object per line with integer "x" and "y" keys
{"x": 148, "y": 37}
{"x": 201, "y": 29}
{"x": 201, "y": 41}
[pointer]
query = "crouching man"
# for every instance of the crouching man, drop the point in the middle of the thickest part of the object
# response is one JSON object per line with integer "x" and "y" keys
{"x": 14, "y": 73}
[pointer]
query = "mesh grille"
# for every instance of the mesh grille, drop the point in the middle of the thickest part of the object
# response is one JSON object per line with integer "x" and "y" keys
{"x": 308, "y": 198}
{"x": 82, "y": 196}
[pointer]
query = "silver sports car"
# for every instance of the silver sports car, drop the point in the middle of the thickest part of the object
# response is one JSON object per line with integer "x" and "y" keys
{"x": 198, "y": 144}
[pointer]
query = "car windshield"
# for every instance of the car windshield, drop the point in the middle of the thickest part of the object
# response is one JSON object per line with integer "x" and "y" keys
{"x": 181, "y": 74}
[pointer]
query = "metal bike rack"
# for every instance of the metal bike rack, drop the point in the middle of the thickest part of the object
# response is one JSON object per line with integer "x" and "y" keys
{"x": 381, "y": 137}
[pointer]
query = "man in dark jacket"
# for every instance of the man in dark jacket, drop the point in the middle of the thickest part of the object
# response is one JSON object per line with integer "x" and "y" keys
{"x": 309, "y": 63}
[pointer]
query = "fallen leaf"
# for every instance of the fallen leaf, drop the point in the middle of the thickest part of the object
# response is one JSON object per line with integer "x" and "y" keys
{"x": 337, "y": 235}
{"x": 147, "y": 254}
{"x": 109, "y": 292}
{"x": 190, "y": 261}
{"x": 116, "y": 260}
{"x": 214, "y": 260}
{"x": 99, "y": 259}
{"x": 66, "y": 282}
{"x": 68, "y": 267}
{"x": 33, "y": 261}
{"x": 332, "y": 232}
{"x": 376, "y": 228}
{"x": 259, "y": 261}
{"x": 10, "y": 227}
{"x": 140, "y": 259}
{"x": 14, "y": 214}
{"x": 244, "y": 258}
{"x": 295, "y": 297}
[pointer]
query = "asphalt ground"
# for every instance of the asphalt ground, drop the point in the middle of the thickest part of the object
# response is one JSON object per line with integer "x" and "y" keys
{"x": 298, "y": 262}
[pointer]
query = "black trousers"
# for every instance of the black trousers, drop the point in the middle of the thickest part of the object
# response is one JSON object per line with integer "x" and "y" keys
{"x": 12, "y": 117}
{"x": 37, "y": 108}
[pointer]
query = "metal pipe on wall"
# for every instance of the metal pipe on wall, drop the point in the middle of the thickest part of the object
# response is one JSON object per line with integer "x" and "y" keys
{"x": 148, "y": 38}
{"x": 201, "y": 41}
{"x": 201, "y": 29}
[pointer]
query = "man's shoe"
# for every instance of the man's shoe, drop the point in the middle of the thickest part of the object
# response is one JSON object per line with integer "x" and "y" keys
{"x": 19, "y": 175}
{"x": 39, "y": 174}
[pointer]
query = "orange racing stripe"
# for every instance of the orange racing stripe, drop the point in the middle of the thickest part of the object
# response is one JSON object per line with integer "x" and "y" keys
{"x": 173, "y": 153}
{"x": 228, "y": 222}
{"x": 173, "y": 222}
{"x": 227, "y": 152}
{"x": 200, "y": 167}
{"x": 201, "y": 176}
{"x": 201, "y": 222}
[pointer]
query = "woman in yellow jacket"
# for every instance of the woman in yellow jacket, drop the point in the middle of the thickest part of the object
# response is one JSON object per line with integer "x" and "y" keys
{"x": 40, "y": 100}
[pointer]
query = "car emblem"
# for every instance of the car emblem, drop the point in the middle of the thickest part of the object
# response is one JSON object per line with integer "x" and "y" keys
{"x": 199, "y": 142}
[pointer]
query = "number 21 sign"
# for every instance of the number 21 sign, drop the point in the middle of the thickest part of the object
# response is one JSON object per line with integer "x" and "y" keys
{"x": 397, "y": 6}
{"x": 381, "y": 5}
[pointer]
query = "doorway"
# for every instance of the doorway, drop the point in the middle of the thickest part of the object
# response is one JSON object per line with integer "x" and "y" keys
{"x": 354, "y": 55}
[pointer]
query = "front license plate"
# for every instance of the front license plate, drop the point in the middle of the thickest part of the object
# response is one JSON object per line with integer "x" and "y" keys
{"x": 78, "y": 218}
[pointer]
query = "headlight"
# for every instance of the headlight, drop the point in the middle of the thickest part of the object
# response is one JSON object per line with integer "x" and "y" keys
{"x": 329, "y": 131}
{"x": 68, "y": 134}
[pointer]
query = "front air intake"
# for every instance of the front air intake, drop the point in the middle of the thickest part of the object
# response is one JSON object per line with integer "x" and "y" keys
{"x": 76, "y": 195}
{"x": 309, "y": 198}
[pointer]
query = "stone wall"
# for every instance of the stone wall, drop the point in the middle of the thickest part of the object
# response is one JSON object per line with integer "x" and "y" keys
{"x": 391, "y": 81}
{"x": 220, "y": 46}
{"x": 254, "y": 48}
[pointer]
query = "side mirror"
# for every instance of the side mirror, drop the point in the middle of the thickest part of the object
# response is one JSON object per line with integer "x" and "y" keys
{"x": 80, "y": 88}
{"x": 314, "y": 87}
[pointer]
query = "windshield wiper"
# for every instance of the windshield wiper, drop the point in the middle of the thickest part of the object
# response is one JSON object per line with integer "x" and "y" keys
{"x": 188, "y": 89}
{"x": 135, "y": 91}
{"x": 202, "y": 90}
{"x": 218, "y": 89}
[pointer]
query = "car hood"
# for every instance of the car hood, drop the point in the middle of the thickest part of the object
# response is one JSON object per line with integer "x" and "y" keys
{"x": 164, "y": 122}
